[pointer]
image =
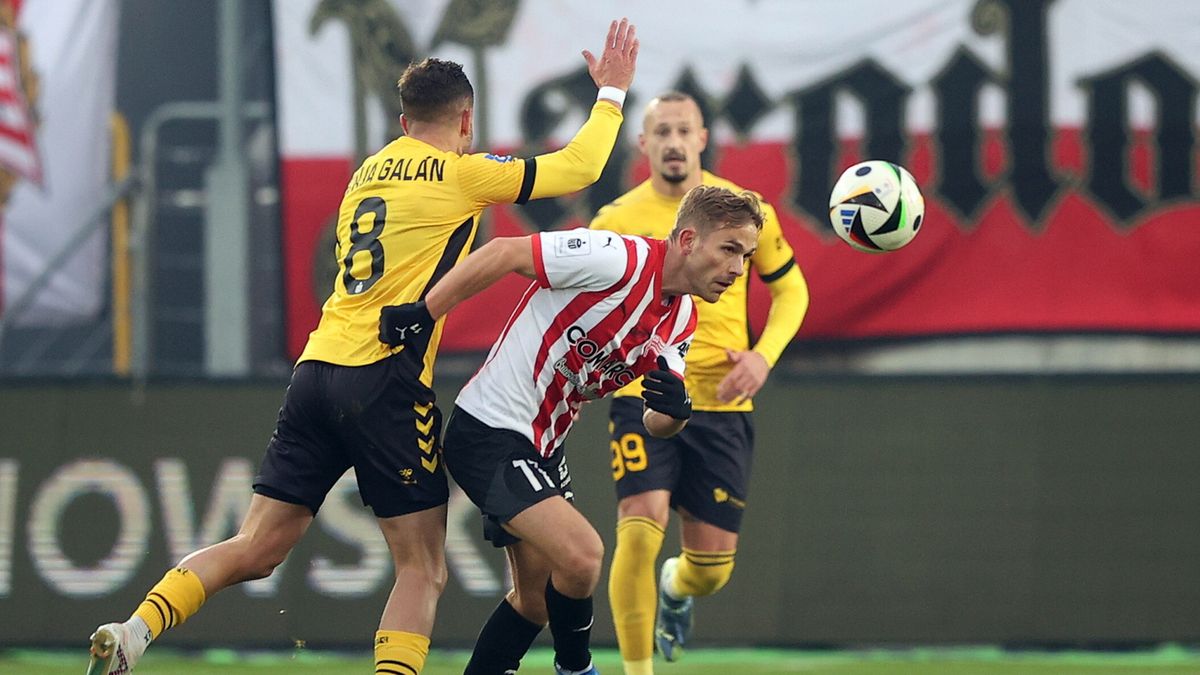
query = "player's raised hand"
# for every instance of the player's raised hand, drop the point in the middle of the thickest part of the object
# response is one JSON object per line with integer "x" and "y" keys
{"x": 615, "y": 66}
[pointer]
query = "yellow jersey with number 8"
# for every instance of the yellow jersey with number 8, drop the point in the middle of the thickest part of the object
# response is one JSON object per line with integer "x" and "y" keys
{"x": 410, "y": 213}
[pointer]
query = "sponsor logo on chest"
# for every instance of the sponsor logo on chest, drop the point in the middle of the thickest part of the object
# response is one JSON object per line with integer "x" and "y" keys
{"x": 600, "y": 365}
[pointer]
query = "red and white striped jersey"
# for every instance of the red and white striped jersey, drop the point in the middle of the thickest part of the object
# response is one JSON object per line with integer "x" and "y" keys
{"x": 593, "y": 321}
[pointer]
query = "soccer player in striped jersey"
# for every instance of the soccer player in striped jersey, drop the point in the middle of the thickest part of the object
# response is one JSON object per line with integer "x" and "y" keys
{"x": 604, "y": 309}
{"x": 409, "y": 214}
{"x": 702, "y": 473}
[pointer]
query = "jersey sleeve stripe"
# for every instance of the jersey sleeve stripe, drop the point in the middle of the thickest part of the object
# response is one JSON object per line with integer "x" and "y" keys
{"x": 539, "y": 262}
{"x": 527, "y": 181}
{"x": 768, "y": 278}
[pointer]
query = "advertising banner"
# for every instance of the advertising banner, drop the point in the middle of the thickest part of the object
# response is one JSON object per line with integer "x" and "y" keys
{"x": 997, "y": 511}
{"x": 1054, "y": 142}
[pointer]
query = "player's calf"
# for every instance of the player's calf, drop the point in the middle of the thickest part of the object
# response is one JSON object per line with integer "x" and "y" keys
{"x": 701, "y": 573}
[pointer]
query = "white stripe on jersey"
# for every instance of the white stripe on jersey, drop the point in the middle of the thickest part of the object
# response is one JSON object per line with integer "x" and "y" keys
{"x": 593, "y": 322}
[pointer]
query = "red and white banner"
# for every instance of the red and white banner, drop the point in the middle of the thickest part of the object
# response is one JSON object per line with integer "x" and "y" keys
{"x": 1054, "y": 141}
{"x": 57, "y": 89}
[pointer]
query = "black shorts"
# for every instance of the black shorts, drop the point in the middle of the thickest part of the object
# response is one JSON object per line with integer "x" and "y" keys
{"x": 501, "y": 472}
{"x": 706, "y": 467}
{"x": 374, "y": 418}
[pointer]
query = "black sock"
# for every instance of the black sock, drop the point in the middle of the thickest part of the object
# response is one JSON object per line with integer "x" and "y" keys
{"x": 571, "y": 625}
{"x": 502, "y": 642}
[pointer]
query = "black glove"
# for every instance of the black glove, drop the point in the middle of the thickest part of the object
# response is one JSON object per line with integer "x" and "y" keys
{"x": 664, "y": 392}
{"x": 405, "y": 324}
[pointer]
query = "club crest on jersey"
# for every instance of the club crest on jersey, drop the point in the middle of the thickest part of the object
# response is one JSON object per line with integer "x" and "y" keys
{"x": 503, "y": 159}
{"x": 571, "y": 244}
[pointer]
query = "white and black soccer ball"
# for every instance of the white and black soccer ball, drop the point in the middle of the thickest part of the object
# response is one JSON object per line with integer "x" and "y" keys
{"x": 876, "y": 206}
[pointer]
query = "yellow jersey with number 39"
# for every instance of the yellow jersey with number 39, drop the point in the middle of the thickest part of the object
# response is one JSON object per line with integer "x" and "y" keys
{"x": 724, "y": 324}
{"x": 410, "y": 213}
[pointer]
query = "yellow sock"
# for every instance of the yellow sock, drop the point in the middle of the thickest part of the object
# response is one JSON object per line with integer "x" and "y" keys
{"x": 400, "y": 653}
{"x": 701, "y": 573}
{"x": 171, "y": 601}
{"x": 643, "y": 667}
{"x": 632, "y": 592}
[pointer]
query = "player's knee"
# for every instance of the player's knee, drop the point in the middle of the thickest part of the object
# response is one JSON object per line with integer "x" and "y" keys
{"x": 439, "y": 577}
{"x": 428, "y": 571}
{"x": 258, "y": 560}
{"x": 579, "y": 571}
{"x": 645, "y": 505}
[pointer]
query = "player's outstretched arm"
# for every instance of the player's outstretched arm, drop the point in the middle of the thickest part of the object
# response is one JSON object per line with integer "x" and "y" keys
{"x": 581, "y": 161}
{"x": 404, "y": 324}
{"x": 481, "y": 269}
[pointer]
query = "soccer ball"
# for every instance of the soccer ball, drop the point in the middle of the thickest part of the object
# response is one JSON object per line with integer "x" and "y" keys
{"x": 876, "y": 206}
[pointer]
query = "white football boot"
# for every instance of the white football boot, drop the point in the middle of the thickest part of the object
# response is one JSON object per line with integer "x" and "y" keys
{"x": 115, "y": 650}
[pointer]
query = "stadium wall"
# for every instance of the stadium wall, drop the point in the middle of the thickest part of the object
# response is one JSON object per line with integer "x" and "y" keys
{"x": 883, "y": 510}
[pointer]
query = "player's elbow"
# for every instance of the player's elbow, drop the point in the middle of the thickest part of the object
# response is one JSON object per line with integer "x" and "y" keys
{"x": 580, "y": 168}
{"x": 585, "y": 172}
{"x": 515, "y": 254}
{"x": 594, "y": 169}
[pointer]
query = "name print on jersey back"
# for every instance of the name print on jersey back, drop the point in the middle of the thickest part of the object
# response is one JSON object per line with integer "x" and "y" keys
{"x": 399, "y": 169}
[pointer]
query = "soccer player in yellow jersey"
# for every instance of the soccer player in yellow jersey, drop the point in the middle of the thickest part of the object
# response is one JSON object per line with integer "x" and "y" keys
{"x": 408, "y": 215}
{"x": 703, "y": 472}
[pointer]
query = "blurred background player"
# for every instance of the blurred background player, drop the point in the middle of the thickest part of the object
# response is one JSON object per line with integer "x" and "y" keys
{"x": 409, "y": 214}
{"x": 703, "y": 472}
{"x": 604, "y": 310}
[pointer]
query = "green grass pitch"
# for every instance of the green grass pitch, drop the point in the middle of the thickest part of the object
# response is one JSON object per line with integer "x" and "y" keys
{"x": 1169, "y": 660}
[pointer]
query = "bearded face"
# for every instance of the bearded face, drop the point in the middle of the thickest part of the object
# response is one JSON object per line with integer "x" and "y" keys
{"x": 673, "y": 136}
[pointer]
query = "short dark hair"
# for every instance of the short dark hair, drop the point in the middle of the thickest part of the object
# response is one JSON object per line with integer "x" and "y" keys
{"x": 709, "y": 208}
{"x": 433, "y": 90}
{"x": 673, "y": 96}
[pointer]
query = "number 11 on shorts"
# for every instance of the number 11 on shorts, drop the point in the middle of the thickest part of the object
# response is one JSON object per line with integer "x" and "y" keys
{"x": 527, "y": 467}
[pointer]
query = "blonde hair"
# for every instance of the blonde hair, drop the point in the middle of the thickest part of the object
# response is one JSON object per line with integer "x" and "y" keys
{"x": 708, "y": 208}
